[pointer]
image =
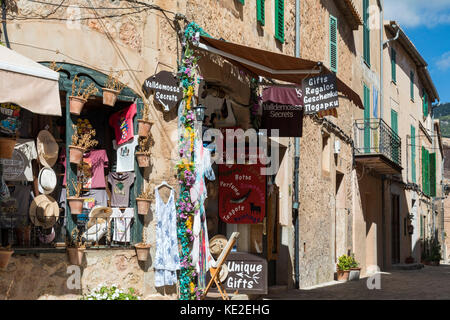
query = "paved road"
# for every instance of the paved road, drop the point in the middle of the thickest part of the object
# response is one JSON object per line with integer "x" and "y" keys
{"x": 429, "y": 283}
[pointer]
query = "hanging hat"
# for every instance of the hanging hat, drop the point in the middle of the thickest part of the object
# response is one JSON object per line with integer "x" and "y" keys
{"x": 47, "y": 238}
{"x": 47, "y": 148}
{"x": 44, "y": 211}
{"x": 98, "y": 215}
{"x": 46, "y": 180}
{"x": 217, "y": 244}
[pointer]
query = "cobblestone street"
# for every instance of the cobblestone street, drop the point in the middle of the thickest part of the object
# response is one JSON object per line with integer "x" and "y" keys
{"x": 429, "y": 283}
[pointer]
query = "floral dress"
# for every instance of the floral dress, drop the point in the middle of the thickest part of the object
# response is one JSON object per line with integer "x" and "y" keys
{"x": 167, "y": 259}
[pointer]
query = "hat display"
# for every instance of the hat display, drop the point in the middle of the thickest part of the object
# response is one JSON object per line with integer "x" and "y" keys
{"x": 46, "y": 180}
{"x": 98, "y": 215}
{"x": 217, "y": 244}
{"x": 223, "y": 273}
{"x": 44, "y": 211}
{"x": 47, "y": 148}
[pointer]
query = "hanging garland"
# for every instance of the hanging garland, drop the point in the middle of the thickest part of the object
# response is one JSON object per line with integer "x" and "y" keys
{"x": 186, "y": 209}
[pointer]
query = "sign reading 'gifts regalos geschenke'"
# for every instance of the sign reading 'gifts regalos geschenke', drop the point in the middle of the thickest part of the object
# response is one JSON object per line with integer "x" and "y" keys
{"x": 165, "y": 87}
{"x": 320, "y": 93}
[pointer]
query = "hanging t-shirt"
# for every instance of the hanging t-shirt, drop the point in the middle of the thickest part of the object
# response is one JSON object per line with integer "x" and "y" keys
{"x": 19, "y": 167}
{"x": 122, "y": 122}
{"x": 120, "y": 188}
{"x": 92, "y": 169}
{"x": 122, "y": 224}
{"x": 125, "y": 154}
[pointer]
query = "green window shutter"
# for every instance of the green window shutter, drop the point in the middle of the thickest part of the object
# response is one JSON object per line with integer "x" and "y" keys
{"x": 367, "y": 145}
{"x": 413, "y": 154}
{"x": 394, "y": 65}
{"x": 432, "y": 175}
{"x": 366, "y": 30}
{"x": 394, "y": 121}
{"x": 333, "y": 44}
{"x": 260, "y": 11}
{"x": 425, "y": 103}
{"x": 425, "y": 171}
{"x": 279, "y": 20}
{"x": 412, "y": 85}
{"x": 242, "y": 1}
{"x": 421, "y": 226}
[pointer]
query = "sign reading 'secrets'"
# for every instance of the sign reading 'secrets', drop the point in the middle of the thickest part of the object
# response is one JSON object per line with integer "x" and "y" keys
{"x": 165, "y": 87}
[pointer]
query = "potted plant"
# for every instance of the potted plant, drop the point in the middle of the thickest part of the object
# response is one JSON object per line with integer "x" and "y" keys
{"x": 143, "y": 248}
{"x": 75, "y": 248}
{"x": 80, "y": 95}
{"x": 143, "y": 152}
{"x": 346, "y": 264}
{"x": 432, "y": 252}
{"x": 145, "y": 124}
{"x": 5, "y": 255}
{"x": 81, "y": 142}
{"x": 143, "y": 201}
{"x": 75, "y": 201}
{"x": 112, "y": 89}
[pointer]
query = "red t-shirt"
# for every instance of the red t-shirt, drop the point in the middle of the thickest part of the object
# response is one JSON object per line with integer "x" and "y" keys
{"x": 122, "y": 122}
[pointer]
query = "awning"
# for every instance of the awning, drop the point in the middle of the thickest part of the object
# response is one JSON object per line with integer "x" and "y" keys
{"x": 28, "y": 84}
{"x": 273, "y": 65}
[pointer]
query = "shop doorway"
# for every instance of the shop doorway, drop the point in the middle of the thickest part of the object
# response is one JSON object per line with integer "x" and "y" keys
{"x": 395, "y": 232}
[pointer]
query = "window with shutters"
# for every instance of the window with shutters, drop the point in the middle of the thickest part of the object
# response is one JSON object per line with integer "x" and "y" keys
{"x": 279, "y": 20}
{"x": 242, "y": 1}
{"x": 412, "y": 85}
{"x": 432, "y": 175}
{"x": 394, "y": 65}
{"x": 260, "y": 12}
{"x": 425, "y": 171}
{"x": 333, "y": 44}
{"x": 366, "y": 30}
{"x": 425, "y": 103}
{"x": 413, "y": 154}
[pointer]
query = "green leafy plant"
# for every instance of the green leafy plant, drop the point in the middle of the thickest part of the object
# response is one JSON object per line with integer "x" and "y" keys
{"x": 104, "y": 292}
{"x": 432, "y": 250}
{"x": 346, "y": 262}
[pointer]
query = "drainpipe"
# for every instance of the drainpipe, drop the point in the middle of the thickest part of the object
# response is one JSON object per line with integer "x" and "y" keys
{"x": 295, "y": 205}
{"x": 4, "y": 24}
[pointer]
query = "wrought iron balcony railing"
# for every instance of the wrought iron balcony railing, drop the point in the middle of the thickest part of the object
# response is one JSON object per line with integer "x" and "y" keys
{"x": 375, "y": 137}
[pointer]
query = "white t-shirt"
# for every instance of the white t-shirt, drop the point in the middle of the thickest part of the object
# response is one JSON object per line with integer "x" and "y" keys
{"x": 19, "y": 168}
{"x": 125, "y": 155}
{"x": 122, "y": 224}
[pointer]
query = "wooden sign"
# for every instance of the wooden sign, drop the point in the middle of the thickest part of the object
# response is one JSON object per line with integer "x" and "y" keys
{"x": 288, "y": 119}
{"x": 320, "y": 93}
{"x": 247, "y": 273}
{"x": 165, "y": 87}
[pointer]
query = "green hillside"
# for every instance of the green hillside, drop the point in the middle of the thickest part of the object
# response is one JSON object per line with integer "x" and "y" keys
{"x": 443, "y": 113}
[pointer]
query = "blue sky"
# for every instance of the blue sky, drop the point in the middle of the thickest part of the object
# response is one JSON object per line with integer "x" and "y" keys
{"x": 427, "y": 24}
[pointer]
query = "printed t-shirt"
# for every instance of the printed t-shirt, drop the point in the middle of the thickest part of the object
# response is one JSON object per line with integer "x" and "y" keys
{"x": 92, "y": 169}
{"x": 122, "y": 122}
{"x": 120, "y": 191}
{"x": 125, "y": 155}
{"x": 122, "y": 224}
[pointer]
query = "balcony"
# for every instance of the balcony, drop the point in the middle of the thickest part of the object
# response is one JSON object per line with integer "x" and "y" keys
{"x": 377, "y": 146}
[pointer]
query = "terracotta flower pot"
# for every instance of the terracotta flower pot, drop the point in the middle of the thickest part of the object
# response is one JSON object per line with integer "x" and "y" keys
{"x": 76, "y": 255}
{"x": 143, "y": 205}
{"x": 110, "y": 96}
{"x": 5, "y": 255}
{"x": 75, "y": 204}
{"x": 143, "y": 159}
{"x": 142, "y": 251}
{"x": 342, "y": 275}
{"x": 7, "y": 147}
{"x": 76, "y": 154}
{"x": 144, "y": 127}
{"x": 76, "y": 105}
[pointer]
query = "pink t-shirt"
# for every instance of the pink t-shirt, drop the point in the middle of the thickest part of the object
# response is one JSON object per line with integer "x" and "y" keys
{"x": 122, "y": 122}
{"x": 92, "y": 169}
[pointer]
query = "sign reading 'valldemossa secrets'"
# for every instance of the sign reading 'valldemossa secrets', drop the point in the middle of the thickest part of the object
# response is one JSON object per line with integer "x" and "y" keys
{"x": 165, "y": 87}
{"x": 320, "y": 93}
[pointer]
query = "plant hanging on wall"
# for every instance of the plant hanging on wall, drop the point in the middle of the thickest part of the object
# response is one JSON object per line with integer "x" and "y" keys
{"x": 80, "y": 95}
{"x": 113, "y": 88}
{"x": 82, "y": 140}
{"x": 145, "y": 123}
{"x": 143, "y": 151}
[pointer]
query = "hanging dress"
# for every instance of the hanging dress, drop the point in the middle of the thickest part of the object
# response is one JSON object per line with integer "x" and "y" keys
{"x": 167, "y": 260}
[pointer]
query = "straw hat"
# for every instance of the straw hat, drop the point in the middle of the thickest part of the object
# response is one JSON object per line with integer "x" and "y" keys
{"x": 46, "y": 180}
{"x": 99, "y": 215}
{"x": 44, "y": 211}
{"x": 217, "y": 244}
{"x": 47, "y": 148}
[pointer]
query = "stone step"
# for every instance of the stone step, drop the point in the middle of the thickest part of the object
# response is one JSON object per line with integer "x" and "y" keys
{"x": 409, "y": 266}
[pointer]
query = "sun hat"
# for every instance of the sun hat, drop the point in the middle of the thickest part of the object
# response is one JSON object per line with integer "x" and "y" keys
{"x": 47, "y": 148}
{"x": 44, "y": 211}
{"x": 46, "y": 180}
{"x": 99, "y": 214}
{"x": 217, "y": 244}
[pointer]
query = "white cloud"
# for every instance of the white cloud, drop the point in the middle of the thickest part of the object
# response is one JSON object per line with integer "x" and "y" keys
{"x": 415, "y": 13}
{"x": 443, "y": 63}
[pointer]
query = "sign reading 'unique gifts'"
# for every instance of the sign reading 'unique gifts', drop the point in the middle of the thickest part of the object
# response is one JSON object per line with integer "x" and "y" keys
{"x": 165, "y": 88}
{"x": 242, "y": 193}
{"x": 320, "y": 93}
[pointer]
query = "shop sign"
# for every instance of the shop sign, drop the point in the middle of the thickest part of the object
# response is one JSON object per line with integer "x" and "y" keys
{"x": 320, "y": 93}
{"x": 165, "y": 88}
{"x": 288, "y": 119}
{"x": 242, "y": 193}
{"x": 246, "y": 273}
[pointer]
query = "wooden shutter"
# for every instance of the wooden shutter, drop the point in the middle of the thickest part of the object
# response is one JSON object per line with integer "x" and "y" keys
{"x": 242, "y": 1}
{"x": 425, "y": 171}
{"x": 260, "y": 11}
{"x": 394, "y": 121}
{"x": 394, "y": 65}
{"x": 412, "y": 85}
{"x": 413, "y": 154}
{"x": 279, "y": 20}
{"x": 366, "y": 29}
{"x": 425, "y": 103}
{"x": 432, "y": 174}
{"x": 333, "y": 44}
